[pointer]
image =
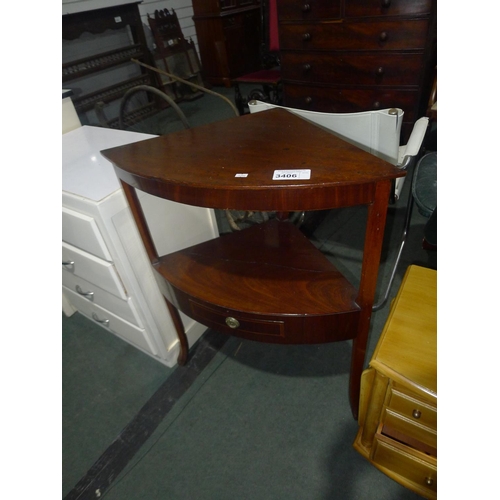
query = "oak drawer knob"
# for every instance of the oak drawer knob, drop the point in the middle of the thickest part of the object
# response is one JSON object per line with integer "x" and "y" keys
{"x": 232, "y": 322}
{"x": 416, "y": 413}
{"x": 306, "y": 37}
{"x": 306, "y": 7}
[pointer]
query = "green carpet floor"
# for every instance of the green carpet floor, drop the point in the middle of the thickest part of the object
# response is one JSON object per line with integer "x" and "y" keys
{"x": 260, "y": 422}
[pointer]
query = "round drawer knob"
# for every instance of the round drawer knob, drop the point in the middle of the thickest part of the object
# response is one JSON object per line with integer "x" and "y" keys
{"x": 383, "y": 36}
{"x": 386, "y": 3}
{"x": 306, "y": 37}
{"x": 376, "y": 105}
{"x": 429, "y": 481}
{"x": 232, "y": 322}
{"x": 306, "y": 7}
{"x": 416, "y": 413}
{"x": 380, "y": 71}
{"x": 306, "y": 67}
{"x": 393, "y": 111}
{"x": 308, "y": 100}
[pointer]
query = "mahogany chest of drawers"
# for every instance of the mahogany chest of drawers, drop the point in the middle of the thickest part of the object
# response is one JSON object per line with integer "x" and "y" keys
{"x": 345, "y": 56}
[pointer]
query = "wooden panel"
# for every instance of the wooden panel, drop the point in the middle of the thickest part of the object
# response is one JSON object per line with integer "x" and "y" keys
{"x": 360, "y": 8}
{"x": 377, "y": 36}
{"x": 301, "y": 10}
{"x": 349, "y": 100}
{"x": 407, "y": 350}
{"x": 411, "y": 468}
{"x": 400, "y": 69}
{"x": 408, "y": 431}
{"x": 228, "y": 38}
{"x": 413, "y": 408}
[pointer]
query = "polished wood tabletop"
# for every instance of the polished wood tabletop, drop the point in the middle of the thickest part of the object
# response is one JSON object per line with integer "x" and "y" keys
{"x": 231, "y": 165}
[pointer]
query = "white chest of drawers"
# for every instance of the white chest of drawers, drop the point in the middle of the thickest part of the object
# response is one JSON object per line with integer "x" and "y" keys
{"x": 106, "y": 274}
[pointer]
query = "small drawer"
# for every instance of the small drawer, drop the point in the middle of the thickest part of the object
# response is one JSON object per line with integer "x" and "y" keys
{"x": 123, "y": 308}
{"x": 371, "y": 8}
{"x": 92, "y": 269}
{"x": 409, "y": 467}
{"x": 236, "y": 324}
{"x": 82, "y": 232}
{"x": 409, "y": 431}
{"x": 108, "y": 320}
{"x": 412, "y": 408}
{"x": 300, "y": 10}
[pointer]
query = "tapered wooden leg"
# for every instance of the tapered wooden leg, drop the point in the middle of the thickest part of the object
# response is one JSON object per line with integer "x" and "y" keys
{"x": 375, "y": 225}
{"x": 179, "y": 327}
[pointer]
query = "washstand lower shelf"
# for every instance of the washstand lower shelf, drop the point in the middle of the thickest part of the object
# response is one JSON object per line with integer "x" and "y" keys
{"x": 267, "y": 283}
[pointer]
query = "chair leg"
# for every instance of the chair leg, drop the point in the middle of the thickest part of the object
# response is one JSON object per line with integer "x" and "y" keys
{"x": 238, "y": 99}
{"x": 179, "y": 327}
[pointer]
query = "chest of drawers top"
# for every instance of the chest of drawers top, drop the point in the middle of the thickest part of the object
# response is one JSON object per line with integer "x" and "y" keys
{"x": 314, "y": 10}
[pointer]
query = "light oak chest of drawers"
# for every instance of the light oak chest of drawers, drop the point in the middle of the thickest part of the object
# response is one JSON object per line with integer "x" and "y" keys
{"x": 398, "y": 403}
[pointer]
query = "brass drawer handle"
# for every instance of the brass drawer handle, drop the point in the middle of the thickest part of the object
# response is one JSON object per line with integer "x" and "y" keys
{"x": 232, "y": 322}
{"x": 416, "y": 413}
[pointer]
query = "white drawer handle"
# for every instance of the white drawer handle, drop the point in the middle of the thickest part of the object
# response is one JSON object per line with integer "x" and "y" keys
{"x": 104, "y": 322}
{"x": 87, "y": 295}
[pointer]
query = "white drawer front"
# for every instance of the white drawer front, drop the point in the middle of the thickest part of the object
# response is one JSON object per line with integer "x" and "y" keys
{"x": 124, "y": 329}
{"x": 92, "y": 269}
{"x": 81, "y": 231}
{"x": 123, "y": 308}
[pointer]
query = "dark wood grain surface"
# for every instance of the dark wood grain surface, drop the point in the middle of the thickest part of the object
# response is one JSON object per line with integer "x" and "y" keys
{"x": 200, "y": 166}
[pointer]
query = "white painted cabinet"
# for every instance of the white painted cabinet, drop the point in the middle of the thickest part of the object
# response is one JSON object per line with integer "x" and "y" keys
{"x": 106, "y": 274}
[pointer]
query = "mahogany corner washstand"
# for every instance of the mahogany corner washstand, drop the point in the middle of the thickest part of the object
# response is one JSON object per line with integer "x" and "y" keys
{"x": 267, "y": 282}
